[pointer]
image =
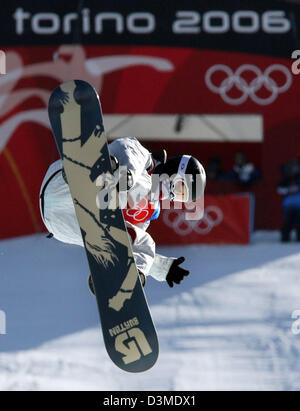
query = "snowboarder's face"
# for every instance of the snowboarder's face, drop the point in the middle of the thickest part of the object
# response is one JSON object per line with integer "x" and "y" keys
{"x": 179, "y": 190}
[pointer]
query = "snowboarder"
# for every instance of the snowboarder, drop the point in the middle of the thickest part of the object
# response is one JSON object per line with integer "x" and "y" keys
{"x": 181, "y": 178}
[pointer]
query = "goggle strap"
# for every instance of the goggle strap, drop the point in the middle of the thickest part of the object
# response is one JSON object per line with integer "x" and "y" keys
{"x": 183, "y": 164}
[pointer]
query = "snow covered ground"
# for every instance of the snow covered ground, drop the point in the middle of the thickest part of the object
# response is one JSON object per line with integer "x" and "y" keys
{"x": 227, "y": 327}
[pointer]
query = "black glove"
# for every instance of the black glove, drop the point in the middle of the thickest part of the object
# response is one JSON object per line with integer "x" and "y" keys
{"x": 124, "y": 177}
{"x": 176, "y": 273}
{"x": 142, "y": 278}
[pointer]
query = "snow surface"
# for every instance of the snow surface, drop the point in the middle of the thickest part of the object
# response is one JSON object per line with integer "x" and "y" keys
{"x": 226, "y": 327}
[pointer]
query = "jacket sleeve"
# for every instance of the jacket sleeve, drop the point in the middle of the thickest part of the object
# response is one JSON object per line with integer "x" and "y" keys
{"x": 145, "y": 256}
{"x": 131, "y": 154}
{"x": 143, "y": 247}
{"x": 160, "y": 267}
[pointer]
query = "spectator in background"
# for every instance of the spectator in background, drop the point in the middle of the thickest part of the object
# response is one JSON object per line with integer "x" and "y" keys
{"x": 243, "y": 172}
{"x": 214, "y": 170}
{"x": 289, "y": 189}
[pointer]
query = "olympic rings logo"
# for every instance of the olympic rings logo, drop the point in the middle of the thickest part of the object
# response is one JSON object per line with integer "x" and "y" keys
{"x": 248, "y": 89}
{"x": 212, "y": 217}
{"x": 140, "y": 213}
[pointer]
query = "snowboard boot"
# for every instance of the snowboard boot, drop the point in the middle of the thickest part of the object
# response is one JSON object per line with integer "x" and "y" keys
{"x": 91, "y": 285}
{"x": 142, "y": 278}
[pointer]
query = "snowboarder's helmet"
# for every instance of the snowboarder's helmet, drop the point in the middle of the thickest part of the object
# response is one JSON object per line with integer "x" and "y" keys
{"x": 190, "y": 171}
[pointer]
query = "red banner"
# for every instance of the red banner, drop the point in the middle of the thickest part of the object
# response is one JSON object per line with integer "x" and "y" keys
{"x": 139, "y": 80}
{"x": 226, "y": 220}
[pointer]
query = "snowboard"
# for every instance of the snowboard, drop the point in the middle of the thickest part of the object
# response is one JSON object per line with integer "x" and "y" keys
{"x": 76, "y": 119}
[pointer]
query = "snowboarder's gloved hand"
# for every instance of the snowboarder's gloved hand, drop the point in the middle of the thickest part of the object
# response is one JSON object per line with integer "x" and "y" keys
{"x": 142, "y": 278}
{"x": 176, "y": 273}
{"x": 122, "y": 175}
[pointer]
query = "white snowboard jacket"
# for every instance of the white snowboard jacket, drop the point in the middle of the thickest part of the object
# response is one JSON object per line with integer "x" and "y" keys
{"x": 58, "y": 213}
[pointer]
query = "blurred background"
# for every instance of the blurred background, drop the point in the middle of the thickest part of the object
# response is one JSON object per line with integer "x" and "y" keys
{"x": 212, "y": 79}
{"x": 215, "y": 82}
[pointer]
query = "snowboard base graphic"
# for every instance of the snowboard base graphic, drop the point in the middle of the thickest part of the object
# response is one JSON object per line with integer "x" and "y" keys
{"x": 76, "y": 120}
